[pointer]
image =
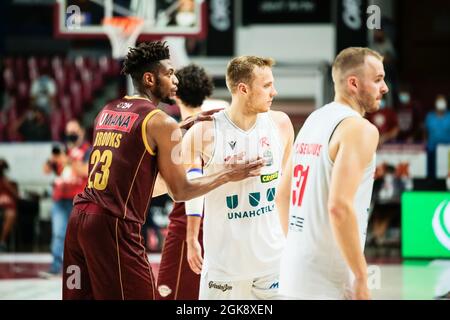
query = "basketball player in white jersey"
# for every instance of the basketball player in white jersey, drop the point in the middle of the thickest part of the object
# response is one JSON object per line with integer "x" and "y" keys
{"x": 333, "y": 168}
{"x": 242, "y": 234}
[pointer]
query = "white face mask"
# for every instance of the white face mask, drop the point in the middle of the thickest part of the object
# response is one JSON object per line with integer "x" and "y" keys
{"x": 404, "y": 97}
{"x": 441, "y": 105}
{"x": 185, "y": 18}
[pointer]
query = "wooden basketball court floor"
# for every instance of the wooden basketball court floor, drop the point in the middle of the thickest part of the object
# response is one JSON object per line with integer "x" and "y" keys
{"x": 407, "y": 280}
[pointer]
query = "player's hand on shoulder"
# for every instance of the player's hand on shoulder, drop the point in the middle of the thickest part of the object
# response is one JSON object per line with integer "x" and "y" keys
{"x": 202, "y": 116}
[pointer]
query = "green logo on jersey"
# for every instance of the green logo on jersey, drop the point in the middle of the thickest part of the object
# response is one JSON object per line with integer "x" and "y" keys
{"x": 232, "y": 201}
{"x": 254, "y": 198}
{"x": 270, "y": 194}
{"x": 269, "y": 177}
{"x": 268, "y": 157}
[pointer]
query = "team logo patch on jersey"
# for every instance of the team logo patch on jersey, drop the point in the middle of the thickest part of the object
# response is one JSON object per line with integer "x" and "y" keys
{"x": 232, "y": 201}
{"x": 124, "y": 105}
{"x": 254, "y": 198}
{"x": 121, "y": 121}
{"x": 264, "y": 142}
{"x": 232, "y": 144}
{"x": 270, "y": 194}
{"x": 265, "y": 178}
{"x": 164, "y": 290}
{"x": 268, "y": 157}
{"x": 274, "y": 285}
{"x": 222, "y": 287}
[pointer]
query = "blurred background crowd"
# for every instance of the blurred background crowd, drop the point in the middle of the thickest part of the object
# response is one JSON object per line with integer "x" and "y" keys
{"x": 52, "y": 88}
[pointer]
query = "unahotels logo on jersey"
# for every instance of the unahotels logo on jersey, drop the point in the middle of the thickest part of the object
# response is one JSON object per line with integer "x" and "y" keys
{"x": 441, "y": 223}
{"x": 254, "y": 199}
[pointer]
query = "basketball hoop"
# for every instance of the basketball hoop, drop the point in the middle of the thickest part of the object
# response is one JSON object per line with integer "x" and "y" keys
{"x": 122, "y": 33}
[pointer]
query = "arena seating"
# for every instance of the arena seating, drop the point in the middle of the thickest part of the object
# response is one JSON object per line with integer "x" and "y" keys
{"x": 77, "y": 80}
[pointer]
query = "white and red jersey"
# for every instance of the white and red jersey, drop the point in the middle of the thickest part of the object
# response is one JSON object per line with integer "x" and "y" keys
{"x": 312, "y": 266}
{"x": 242, "y": 235}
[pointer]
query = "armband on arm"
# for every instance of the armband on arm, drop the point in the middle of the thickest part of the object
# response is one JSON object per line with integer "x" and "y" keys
{"x": 194, "y": 207}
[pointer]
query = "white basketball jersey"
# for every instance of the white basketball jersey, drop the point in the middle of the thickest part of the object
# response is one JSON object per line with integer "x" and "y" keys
{"x": 312, "y": 266}
{"x": 242, "y": 235}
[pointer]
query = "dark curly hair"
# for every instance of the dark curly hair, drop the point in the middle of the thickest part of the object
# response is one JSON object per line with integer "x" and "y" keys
{"x": 194, "y": 85}
{"x": 144, "y": 58}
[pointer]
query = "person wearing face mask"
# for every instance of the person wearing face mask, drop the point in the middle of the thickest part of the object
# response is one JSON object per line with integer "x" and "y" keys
{"x": 409, "y": 119}
{"x": 437, "y": 125}
{"x": 185, "y": 16}
{"x": 71, "y": 170}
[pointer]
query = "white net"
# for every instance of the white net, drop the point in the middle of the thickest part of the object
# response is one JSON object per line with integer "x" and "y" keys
{"x": 123, "y": 34}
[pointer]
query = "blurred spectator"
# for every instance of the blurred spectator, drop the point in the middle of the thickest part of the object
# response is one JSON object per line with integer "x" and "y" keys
{"x": 180, "y": 13}
{"x": 71, "y": 169}
{"x": 437, "y": 125}
{"x": 8, "y": 204}
{"x": 409, "y": 119}
{"x": 382, "y": 44}
{"x": 388, "y": 187}
{"x": 43, "y": 92}
{"x": 385, "y": 119}
{"x": 185, "y": 16}
{"x": 33, "y": 125}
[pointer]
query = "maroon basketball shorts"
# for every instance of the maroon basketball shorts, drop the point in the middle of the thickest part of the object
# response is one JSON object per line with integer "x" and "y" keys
{"x": 104, "y": 257}
{"x": 176, "y": 280}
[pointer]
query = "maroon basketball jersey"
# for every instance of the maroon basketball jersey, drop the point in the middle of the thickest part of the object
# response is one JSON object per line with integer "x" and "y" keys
{"x": 122, "y": 166}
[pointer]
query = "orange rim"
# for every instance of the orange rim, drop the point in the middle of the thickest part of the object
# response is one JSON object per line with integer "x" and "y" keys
{"x": 128, "y": 24}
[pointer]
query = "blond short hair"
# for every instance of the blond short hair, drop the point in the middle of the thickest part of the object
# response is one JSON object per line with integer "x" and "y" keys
{"x": 240, "y": 70}
{"x": 351, "y": 59}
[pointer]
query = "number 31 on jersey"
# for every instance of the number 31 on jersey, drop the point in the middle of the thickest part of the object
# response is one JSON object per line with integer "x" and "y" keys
{"x": 300, "y": 179}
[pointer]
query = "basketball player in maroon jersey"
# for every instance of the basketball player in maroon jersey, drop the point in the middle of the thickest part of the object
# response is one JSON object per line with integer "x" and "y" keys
{"x": 176, "y": 280}
{"x": 104, "y": 256}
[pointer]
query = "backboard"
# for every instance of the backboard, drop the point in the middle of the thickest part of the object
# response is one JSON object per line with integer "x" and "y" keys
{"x": 84, "y": 18}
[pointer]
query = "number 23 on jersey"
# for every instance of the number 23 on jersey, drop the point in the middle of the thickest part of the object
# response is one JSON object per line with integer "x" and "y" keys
{"x": 99, "y": 180}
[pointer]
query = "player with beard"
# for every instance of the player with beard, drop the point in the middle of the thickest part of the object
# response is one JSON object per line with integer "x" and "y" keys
{"x": 331, "y": 180}
{"x": 104, "y": 257}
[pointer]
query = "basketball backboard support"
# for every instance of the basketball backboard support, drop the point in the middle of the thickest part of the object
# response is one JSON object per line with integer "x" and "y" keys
{"x": 84, "y": 18}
